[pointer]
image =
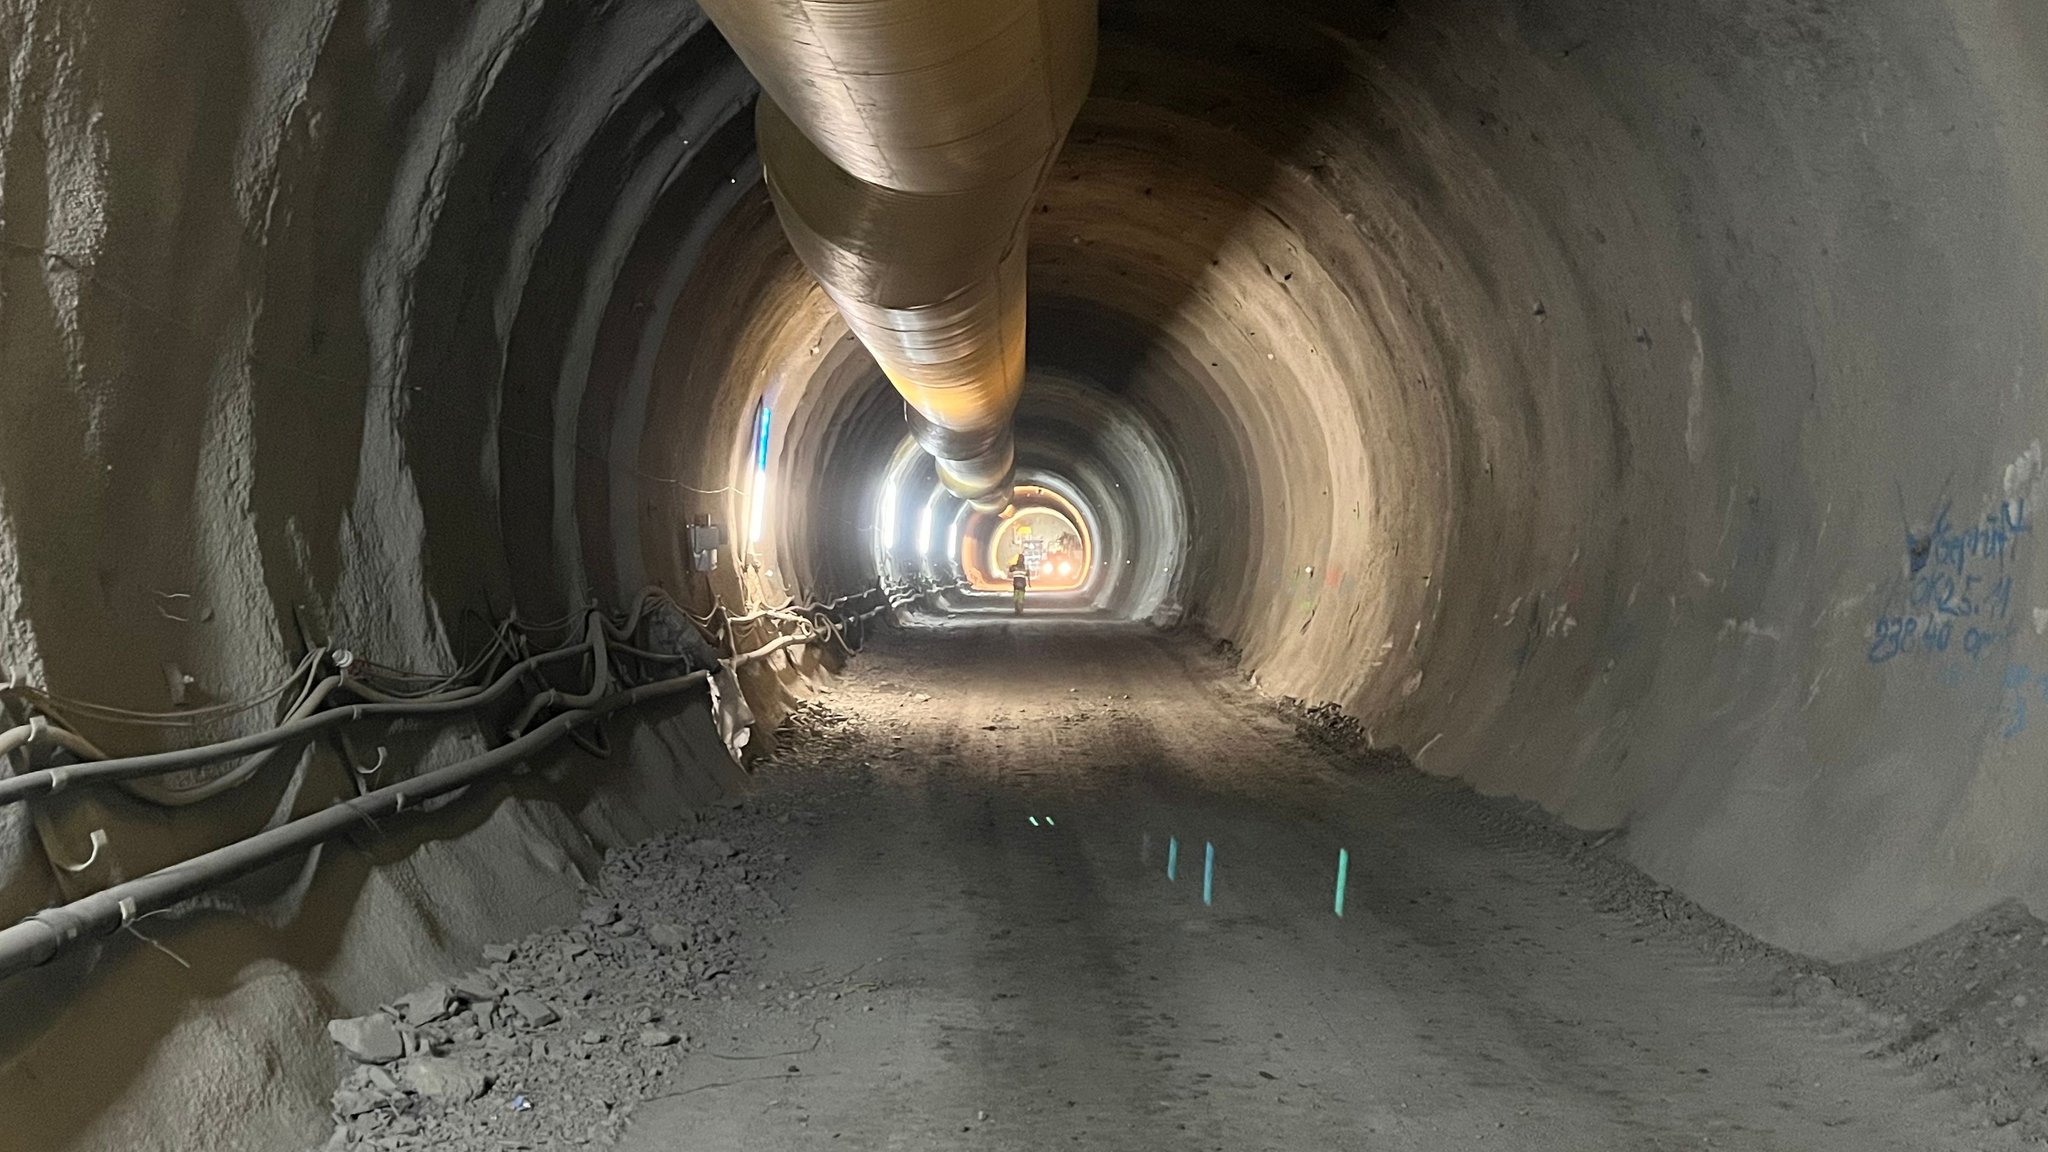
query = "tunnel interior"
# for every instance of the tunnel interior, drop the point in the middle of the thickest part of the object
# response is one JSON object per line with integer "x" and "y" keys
{"x": 1622, "y": 408}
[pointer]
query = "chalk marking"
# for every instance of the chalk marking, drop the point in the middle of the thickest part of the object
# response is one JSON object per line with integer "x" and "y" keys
{"x": 1696, "y": 395}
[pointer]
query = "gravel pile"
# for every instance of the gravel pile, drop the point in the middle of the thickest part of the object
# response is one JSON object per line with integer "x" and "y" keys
{"x": 556, "y": 1037}
{"x": 1970, "y": 1007}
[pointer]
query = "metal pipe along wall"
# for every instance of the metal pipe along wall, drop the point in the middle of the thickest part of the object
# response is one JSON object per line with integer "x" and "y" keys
{"x": 904, "y": 142}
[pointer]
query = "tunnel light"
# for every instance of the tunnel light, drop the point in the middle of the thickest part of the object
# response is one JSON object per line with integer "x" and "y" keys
{"x": 757, "y": 518}
{"x": 888, "y": 515}
{"x": 924, "y": 531}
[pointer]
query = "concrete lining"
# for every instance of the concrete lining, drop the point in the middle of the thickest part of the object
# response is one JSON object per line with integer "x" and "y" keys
{"x": 1636, "y": 408}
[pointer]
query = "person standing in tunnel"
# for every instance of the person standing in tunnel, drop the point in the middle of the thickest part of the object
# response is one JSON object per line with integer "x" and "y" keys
{"x": 1020, "y": 579}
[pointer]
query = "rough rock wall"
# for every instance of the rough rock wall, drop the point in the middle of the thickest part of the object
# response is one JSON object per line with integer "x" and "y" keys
{"x": 297, "y": 302}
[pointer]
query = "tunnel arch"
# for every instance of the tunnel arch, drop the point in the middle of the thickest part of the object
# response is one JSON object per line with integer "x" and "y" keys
{"x": 1044, "y": 530}
{"x": 1573, "y": 393}
{"x": 1416, "y": 403}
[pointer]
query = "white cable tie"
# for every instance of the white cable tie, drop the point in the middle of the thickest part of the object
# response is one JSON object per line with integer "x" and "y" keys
{"x": 128, "y": 911}
{"x": 59, "y": 777}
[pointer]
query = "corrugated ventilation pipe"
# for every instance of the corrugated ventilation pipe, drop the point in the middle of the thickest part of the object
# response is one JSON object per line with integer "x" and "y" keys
{"x": 904, "y": 142}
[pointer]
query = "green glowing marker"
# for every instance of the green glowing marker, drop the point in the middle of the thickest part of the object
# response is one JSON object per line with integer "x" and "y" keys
{"x": 1343, "y": 871}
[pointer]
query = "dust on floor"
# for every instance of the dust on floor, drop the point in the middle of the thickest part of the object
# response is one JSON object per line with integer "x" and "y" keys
{"x": 944, "y": 920}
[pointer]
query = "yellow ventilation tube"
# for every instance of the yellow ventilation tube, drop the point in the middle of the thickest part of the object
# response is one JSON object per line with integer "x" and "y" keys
{"x": 904, "y": 142}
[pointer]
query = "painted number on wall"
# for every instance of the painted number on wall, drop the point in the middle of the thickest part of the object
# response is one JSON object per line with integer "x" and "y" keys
{"x": 1958, "y": 590}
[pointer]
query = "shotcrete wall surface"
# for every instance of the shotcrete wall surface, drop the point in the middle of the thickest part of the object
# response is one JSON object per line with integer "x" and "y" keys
{"x": 296, "y": 307}
{"x": 1631, "y": 407}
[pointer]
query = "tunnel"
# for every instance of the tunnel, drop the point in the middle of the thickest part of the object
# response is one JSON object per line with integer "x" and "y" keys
{"x": 1529, "y": 507}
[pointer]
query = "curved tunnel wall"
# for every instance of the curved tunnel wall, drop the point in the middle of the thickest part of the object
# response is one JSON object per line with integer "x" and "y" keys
{"x": 1626, "y": 407}
{"x": 313, "y": 332}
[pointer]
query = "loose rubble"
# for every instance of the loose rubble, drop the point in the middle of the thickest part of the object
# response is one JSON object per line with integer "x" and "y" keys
{"x": 554, "y": 1039}
{"x": 368, "y": 1039}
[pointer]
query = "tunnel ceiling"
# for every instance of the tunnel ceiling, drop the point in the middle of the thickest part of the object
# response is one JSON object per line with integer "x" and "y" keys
{"x": 1524, "y": 383}
{"x": 1612, "y": 404}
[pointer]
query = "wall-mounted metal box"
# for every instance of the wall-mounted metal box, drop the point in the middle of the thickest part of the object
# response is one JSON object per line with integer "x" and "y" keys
{"x": 705, "y": 540}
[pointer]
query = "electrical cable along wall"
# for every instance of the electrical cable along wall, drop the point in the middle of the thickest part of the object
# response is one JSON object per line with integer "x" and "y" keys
{"x": 605, "y": 652}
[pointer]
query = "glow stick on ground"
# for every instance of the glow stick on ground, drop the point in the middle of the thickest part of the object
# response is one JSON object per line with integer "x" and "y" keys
{"x": 1208, "y": 872}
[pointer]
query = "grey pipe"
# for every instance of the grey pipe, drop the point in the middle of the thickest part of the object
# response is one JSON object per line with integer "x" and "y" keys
{"x": 305, "y": 720}
{"x": 39, "y": 730}
{"x": 100, "y": 768}
{"x": 154, "y": 792}
{"x": 18, "y": 788}
{"x": 600, "y": 679}
{"x": 37, "y": 939}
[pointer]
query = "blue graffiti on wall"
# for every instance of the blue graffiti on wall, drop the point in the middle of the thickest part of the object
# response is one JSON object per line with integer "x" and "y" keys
{"x": 2019, "y": 684}
{"x": 1958, "y": 589}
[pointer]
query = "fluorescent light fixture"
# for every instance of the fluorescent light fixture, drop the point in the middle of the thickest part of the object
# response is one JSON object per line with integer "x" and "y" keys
{"x": 887, "y": 514}
{"x": 757, "y": 520}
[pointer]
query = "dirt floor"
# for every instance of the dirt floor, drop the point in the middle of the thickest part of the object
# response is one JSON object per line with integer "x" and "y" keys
{"x": 945, "y": 921}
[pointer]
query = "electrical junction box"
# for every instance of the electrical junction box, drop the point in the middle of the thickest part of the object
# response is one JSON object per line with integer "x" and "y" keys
{"x": 705, "y": 541}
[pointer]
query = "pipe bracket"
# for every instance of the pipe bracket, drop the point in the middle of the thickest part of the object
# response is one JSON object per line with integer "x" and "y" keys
{"x": 99, "y": 842}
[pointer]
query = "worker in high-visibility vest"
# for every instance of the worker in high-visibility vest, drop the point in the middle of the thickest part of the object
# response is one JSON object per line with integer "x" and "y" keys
{"x": 1020, "y": 579}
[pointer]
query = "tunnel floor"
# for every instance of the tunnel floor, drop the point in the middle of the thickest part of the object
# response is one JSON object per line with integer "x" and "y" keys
{"x": 959, "y": 933}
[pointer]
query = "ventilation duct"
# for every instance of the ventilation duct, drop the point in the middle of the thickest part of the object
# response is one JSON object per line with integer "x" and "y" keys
{"x": 904, "y": 142}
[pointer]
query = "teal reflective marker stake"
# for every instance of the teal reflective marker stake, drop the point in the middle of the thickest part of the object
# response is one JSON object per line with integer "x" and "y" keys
{"x": 1343, "y": 871}
{"x": 1208, "y": 872}
{"x": 1172, "y": 855}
